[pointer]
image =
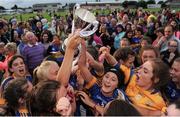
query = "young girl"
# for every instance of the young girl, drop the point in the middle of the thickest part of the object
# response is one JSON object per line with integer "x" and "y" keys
{"x": 100, "y": 95}
{"x": 145, "y": 89}
{"x": 17, "y": 95}
{"x": 17, "y": 69}
{"x": 46, "y": 71}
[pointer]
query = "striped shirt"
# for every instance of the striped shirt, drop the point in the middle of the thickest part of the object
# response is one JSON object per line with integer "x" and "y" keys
{"x": 34, "y": 55}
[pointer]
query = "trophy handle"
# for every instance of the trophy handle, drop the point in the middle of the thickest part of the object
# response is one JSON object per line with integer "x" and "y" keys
{"x": 85, "y": 32}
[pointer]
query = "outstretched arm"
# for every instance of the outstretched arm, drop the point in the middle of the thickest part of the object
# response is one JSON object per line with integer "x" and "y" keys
{"x": 98, "y": 66}
{"x": 65, "y": 69}
{"x": 82, "y": 64}
{"x": 109, "y": 58}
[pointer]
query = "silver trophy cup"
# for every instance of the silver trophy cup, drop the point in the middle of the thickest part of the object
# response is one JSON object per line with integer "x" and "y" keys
{"x": 91, "y": 27}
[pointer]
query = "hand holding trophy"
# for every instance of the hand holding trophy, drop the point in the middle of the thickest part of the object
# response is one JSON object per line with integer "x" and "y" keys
{"x": 89, "y": 20}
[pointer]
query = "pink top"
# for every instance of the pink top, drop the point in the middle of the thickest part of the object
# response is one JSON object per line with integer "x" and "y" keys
{"x": 4, "y": 65}
{"x": 97, "y": 39}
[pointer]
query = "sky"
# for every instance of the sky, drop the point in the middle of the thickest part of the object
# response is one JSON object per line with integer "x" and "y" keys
{"x": 26, "y": 3}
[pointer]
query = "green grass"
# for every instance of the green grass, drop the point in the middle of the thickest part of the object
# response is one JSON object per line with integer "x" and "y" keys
{"x": 26, "y": 16}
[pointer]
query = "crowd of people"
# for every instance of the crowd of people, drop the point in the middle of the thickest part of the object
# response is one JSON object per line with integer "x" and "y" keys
{"x": 129, "y": 67}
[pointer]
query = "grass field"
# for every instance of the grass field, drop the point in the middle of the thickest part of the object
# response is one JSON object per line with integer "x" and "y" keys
{"x": 26, "y": 16}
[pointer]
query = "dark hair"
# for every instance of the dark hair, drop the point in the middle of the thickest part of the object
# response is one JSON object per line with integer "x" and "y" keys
{"x": 121, "y": 108}
{"x": 120, "y": 75}
{"x": 55, "y": 35}
{"x": 150, "y": 47}
{"x": 119, "y": 26}
{"x": 146, "y": 38}
{"x": 127, "y": 25}
{"x": 140, "y": 29}
{"x": 10, "y": 62}
{"x": 92, "y": 50}
{"x": 160, "y": 71}
{"x": 177, "y": 103}
{"x": 160, "y": 29}
{"x": 14, "y": 91}
{"x": 126, "y": 34}
{"x": 44, "y": 96}
{"x": 122, "y": 53}
{"x": 49, "y": 38}
{"x": 171, "y": 27}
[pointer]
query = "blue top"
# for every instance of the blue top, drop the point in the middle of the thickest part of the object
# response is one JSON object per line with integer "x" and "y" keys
{"x": 99, "y": 98}
{"x": 5, "y": 81}
{"x": 172, "y": 92}
{"x": 117, "y": 39}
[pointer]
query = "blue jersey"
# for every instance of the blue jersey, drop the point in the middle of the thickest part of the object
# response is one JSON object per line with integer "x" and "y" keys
{"x": 172, "y": 92}
{"x": 5, "y": 81}
{"x": 99, "y": 98}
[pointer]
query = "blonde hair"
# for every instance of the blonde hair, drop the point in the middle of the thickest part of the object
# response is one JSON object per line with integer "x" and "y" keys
{"x": 29, "y": 33}
{"x": 42, "y": 71}
{"x": 11, "y": 47}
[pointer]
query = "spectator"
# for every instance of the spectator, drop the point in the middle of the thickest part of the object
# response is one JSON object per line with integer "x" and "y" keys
{"x": 171, "y": 54}
{"x": 119, "y": 35}
{"x": 173, "y": 88}
{"x": 17, "y": 69}
{"x": 168, "y": 35}
{"x": 33, "y": 53}
{"x": 10, "y": 50}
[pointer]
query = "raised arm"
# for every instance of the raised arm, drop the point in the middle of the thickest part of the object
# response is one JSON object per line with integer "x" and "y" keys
{"x": 65, "y": 69}
{"x": 98, "y": 66}
{"x": 109, "y": 58}
{"x": 82, "y": 64}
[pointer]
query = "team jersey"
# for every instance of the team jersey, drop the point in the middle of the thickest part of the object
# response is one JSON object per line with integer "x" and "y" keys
{"x": 128, "y": 72}
{"x": 22, "y": 112}
{"x": 142, "y": 98}
{"x": 97, "y": 96}
{"x": 172, "y": 92}
{"x": 5, "y": 81}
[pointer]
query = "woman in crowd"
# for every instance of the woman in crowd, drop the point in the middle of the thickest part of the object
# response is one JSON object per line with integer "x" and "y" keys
{"x": 17, "y": 69}
{"x": 100, "y": 95}
{"x": 17, "y": 95}
{"x": 53, "y": 91}
{"x": 10, "y": 50}
{"x": 56, "y": 43}
{"x": 46, "y": 71}
{"x": 146, "y": 88}
{"x": 45, "y": 40}
{"x": 119, "y": 35}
